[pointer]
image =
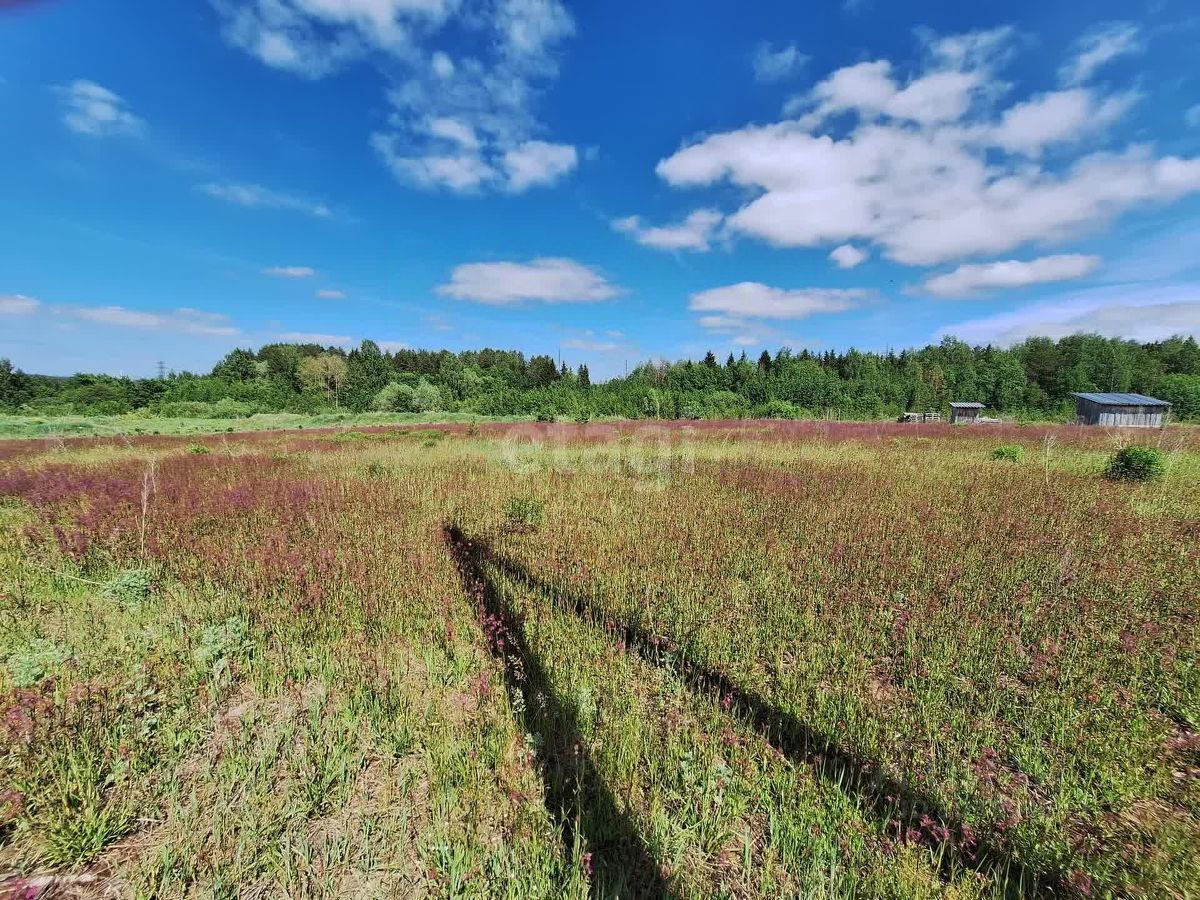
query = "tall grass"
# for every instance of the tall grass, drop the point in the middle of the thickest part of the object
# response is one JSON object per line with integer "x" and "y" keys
{"x": 797, "y": 659}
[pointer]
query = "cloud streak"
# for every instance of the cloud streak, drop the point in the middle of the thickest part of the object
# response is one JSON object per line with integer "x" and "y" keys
{"x": 1132, "y": 312}
{"x": 255, "y": 196}
{"x": 968, "y": 280}
{"x": 93, "y": 110}
{"x": 290, "y": 271}
{"x": 545, "y": 280}
{"x": 752, "y": 299}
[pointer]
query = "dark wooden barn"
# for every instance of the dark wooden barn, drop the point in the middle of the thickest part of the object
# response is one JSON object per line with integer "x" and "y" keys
{"x": 1120, "y": 410}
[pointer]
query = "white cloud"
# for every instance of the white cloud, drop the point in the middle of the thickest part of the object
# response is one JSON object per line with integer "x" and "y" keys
{"x": 182, "y": 321}
{"x": 693, "y": 233}
{"x": 89, "y": 108}
{"x": 1099, "y": 47}
{"x": 750, "y": 299}
{"x": 870, "y": 90}
{"x": 442, "y": 65}
{"x": 255, "y": 196}
{"x": 18, "y": 305}
{"x": 331, "y": 294}
{"x": 454, "y": 131}
{"x": 545, "y": 280}
{"x": 847, "y": 256}
{"x": 392, "y": 346}
{"x": 537, "y": 163}
{"x": 1012, "y": 273}
{"x": 459, "y": 171}
{"x": 776, "y": 65}
{"x": 290, "y": 271}
{"x": 309, "y": 337}
{"x": 1056, "y": 117}
{"x": 930, "y": 171}
{"x": 1139, "y": 313}
{"x": 461, "y": 124}
{"x": 313, "y": 38}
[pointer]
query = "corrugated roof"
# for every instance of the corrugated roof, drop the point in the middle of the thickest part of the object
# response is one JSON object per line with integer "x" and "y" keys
{"x": 966, "y": 405}
{"x": 1122, "y": 399}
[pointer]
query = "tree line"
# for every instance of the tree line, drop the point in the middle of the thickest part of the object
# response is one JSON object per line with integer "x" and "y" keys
{"x": 1032, "y": 380}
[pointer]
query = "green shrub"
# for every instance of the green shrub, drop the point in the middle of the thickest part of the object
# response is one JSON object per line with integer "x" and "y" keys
{"x": 1010, "y": 452}
{"x": 131, "y": 587}
{"x": 780, "y": 409}
{"x": 394, "y": 397}
{"x": 198, "y": 449}
{"x": 35, "y": 661}
{"x": 1136, "y": 464}
{"x": 524, "y": 513}
{"x": 220, "y": 646}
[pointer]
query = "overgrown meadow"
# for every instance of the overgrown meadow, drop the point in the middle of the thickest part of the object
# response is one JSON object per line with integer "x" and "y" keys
{"x": 722, "y": 660}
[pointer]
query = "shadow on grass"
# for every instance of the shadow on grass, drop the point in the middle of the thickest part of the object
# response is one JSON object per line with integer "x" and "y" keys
{"x": 577, "y": 797}
{"x": 913, "y": 815}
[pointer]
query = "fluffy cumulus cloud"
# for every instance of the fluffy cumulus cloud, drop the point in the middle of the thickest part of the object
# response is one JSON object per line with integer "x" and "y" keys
{"x": 94, "y": 110}
{"x": 772, "y": 64}
{"x": 255, "y": 196}
{"x": 18, "y": 305}
{"x": 313, "y": 38}
{"x": 847, "y": 256}
{"x": 726, "y": 306}
{"x": 695, "y": 232}
{"x": 1137, "y": 312}
{"x": 459, "y": 123}
{"x": 934, "y": 165}
{"x": 973, "y": 278}
{"x": 542, "y": 280}
{"x": 290, "y": 271}
{"x": 534, "y": 163}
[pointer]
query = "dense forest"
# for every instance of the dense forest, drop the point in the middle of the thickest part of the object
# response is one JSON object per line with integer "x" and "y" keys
{"x": 1032, "y": 380}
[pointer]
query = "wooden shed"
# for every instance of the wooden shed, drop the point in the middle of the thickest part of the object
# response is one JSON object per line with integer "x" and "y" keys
{"x": 967, "y": 413}
{"x": 1120, "y": 410}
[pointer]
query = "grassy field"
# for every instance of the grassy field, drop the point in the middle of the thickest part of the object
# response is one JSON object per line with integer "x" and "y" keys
{"x": 720, "y": 660}
{"x": 135, "y": 424}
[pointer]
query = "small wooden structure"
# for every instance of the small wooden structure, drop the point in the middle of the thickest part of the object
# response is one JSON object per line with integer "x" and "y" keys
{"x": 930, "y": 416}
{"x": 967, "y": 413}
{"x": 1120, "y": 410}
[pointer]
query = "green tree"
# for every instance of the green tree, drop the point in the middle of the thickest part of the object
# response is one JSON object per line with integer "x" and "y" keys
{"x": 325, "y": 373}
{"x": 1183, "y": 393}
{"x": 542, "y": 371}
{"x": 238, "y": 365}
{"x": 14, "y": 386}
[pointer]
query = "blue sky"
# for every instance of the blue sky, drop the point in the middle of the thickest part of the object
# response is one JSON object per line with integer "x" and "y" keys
{"x": 606, "y": 181}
